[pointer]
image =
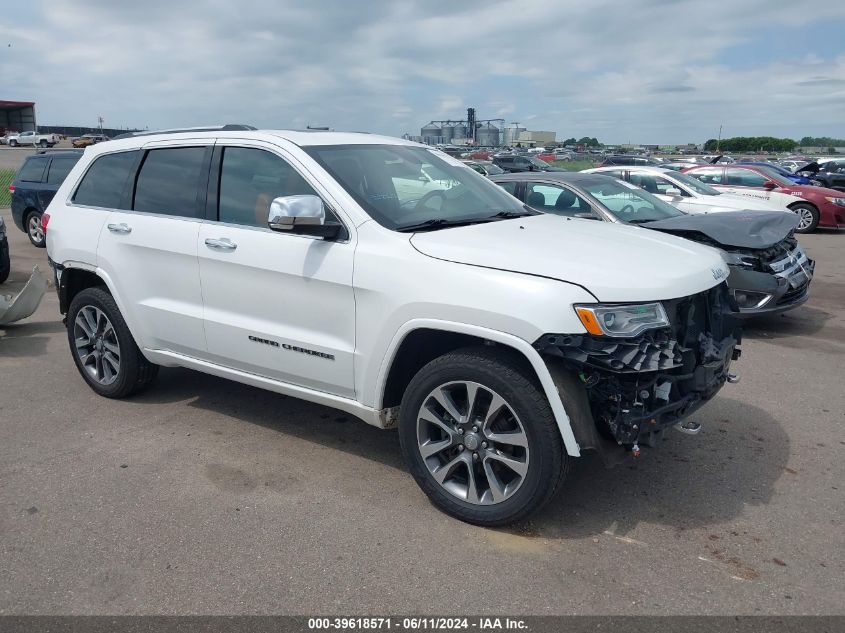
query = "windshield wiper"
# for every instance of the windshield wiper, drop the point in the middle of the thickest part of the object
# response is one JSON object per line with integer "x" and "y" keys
{"x": 437, "y": 223}
{"x": 511, "y": 214}
{"x": 641, "y": 220}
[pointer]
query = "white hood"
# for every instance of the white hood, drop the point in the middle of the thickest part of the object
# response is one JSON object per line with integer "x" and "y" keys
{"x": 614, "y": 262}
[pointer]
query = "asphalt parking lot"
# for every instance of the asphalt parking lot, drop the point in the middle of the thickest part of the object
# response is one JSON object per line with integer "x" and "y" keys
{"x": 205, "y": 496}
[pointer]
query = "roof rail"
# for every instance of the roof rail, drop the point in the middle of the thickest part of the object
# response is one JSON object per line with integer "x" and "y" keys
{"x": 76, "y": 150}
{"x": 230, "y": 127}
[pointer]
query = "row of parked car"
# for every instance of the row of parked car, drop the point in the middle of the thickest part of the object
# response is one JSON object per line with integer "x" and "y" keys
{"x": 26, "y": 139}
{"x": 504, "y": 327}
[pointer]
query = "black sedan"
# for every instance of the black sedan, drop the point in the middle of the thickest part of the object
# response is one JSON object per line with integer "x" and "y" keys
{"x": 770, "y": 273}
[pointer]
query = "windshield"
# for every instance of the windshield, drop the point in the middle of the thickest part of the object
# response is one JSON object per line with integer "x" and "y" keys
{"x": 628, "y": 202}
{"x": 771, "y": 174}
{"x": 696, "y": 185}
{"x": 538, "y": 163}
{"x": 403, "y": 186}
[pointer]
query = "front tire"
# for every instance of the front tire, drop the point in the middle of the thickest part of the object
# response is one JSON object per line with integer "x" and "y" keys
{"x": 42, "y": 143}
{"x": 103, "y": 348}
{"x": 480, "y": 439}
{"x": 34, "y": 230}
{"x": 808, "y": 217}
{"x": 13, "y": 143}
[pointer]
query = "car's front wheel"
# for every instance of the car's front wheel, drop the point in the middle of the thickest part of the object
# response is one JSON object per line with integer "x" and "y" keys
{"x": 480, "y": 438}
{"x": 808, "y": 217}
{"x": 34, "y": 230}
{"x": 103, "y": 348}
{"x": 5, "y": 263}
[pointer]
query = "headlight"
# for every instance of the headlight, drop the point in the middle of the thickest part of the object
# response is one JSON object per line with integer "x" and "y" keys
{"x": 837, "y": 201}
{"x": 736, "y": 259}
{"x": 622, "y": 320}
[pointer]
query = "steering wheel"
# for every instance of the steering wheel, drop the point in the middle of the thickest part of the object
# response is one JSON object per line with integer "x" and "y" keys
{"x": 627, "y": 209}
{"x": 428, "y": 197}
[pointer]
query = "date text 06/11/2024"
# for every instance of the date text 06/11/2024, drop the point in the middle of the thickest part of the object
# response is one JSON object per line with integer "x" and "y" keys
{"x": 417, "y": 623}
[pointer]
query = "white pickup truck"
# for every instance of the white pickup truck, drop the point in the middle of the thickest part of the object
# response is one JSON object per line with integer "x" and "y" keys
{"x": 32, "y": 138}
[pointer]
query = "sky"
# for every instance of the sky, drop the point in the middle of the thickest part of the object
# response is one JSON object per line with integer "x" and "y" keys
{"x": 639, "y": 71}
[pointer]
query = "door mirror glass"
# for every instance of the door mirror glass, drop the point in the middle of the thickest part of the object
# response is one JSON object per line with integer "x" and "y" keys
{"x": 288, "y": 212}
{"x": 770, "y": 185}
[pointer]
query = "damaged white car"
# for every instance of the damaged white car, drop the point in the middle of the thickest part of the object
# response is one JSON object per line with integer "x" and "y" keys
{"x": 501, "y": 341}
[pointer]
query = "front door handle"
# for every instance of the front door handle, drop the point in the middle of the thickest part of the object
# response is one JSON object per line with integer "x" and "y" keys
{"x": 121, "y": 228}
{"x": 223, "y": 244}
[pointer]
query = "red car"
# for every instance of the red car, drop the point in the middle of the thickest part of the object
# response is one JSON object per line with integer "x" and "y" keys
{"x": 480, "y": 154}
{"x": 546, "y": 156}
{"x": 820, "y": 206}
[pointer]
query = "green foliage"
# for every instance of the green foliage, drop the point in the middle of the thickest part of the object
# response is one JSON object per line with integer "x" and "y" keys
{"x": 586, "y": 141}
{"x": 570, "y": 141}
{"x": 821, "y": 141}
{"x": 751, "y": 144}
{"x": 6, "y": 178}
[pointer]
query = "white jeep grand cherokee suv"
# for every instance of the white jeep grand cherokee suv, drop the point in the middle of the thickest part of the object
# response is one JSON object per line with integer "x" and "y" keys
{"x": 386, "y": 279}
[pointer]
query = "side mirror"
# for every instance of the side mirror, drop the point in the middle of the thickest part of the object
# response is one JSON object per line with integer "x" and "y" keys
{"x": 675, "y": 193}
{"x": 303, "y": 215}
{"x": 770, "y": 185}
{"x": 531, "y": 167}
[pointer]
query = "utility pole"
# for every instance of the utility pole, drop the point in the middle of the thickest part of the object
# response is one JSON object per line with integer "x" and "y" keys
{"x": 719, "y": 140}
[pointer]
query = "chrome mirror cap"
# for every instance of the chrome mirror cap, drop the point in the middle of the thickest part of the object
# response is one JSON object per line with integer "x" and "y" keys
{"x": 289, "y": 211}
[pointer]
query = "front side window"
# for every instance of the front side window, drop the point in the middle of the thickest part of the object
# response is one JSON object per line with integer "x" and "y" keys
{"x": 59, "y": 169}
{"x": 168, "y": 181}
{"x": 249, "y": 181}
{"x": 744, "y": 178}
{"x": 627, "y": 202}
{"x": 696, "y": 185}
{"x": 709, "y": 175}
{"x": 655, "y": 184}
{"x": 104, "y": 182}
{"x": 555, "y": 199}
{"x": 33, "y": 170}
{"x": 401, "y": 186}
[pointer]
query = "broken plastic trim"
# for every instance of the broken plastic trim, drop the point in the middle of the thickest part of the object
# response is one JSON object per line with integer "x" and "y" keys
{"x": 26, "y": 302}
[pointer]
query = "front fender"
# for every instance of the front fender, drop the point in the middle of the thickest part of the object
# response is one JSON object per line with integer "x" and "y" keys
{"x": 523, "y": 347}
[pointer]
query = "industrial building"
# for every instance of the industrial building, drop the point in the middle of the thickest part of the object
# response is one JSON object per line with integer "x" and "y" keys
{"x": 17, "y": 116}
{"x": 481, "y": 132}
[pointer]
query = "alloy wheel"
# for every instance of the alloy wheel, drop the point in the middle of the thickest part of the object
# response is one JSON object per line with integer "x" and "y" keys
{"x": 472, "y": 443}
{"x": 96, "y": 345}
{"x": 36, "y": 233}
{"x": 805, "y": 218}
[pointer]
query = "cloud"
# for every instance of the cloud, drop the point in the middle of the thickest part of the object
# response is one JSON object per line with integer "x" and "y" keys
{"x": 652, "y": 71}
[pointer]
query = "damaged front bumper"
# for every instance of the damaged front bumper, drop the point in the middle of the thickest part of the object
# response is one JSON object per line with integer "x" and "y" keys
{"x": 15, "y": 308}
{"x": 636, "y": 387}
{"x": 769, "y": 284}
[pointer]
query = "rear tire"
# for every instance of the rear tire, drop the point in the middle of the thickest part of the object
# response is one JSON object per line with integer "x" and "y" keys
{"x": 13, "y": 143}
{"x": 808, "y": 217}
{"x": 103, "y": 348}
{"x": 501, "y": 458}
{"x": 32, "y": 223}
{"x": 42, "y": 143}
{"x": 5, "y": 263}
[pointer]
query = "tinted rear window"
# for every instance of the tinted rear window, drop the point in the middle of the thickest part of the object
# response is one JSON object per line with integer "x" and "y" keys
{"x": 59, "y": 169}
{"x": 103, "y": 183}
{"x": 33, "y": 170}
{"x": 168, "y": 181}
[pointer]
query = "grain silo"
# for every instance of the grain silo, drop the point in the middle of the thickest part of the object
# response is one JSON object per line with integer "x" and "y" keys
{"x": 487, "y": 135}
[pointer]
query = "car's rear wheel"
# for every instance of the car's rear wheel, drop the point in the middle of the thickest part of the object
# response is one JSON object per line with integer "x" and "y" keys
{"x": 808, "y": 217}
{"x": 42, "y": 143}
{"x": 480, "y": 438}
{"x": 103, "y": 348}
{"x": 5, "y": 263}
{"x": 13, "y": 143}
{"x": 34, "y": 230}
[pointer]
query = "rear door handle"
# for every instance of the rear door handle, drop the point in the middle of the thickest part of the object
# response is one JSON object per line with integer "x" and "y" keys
{"x": 222, "y": 244}
{"x": 121, "y": 228}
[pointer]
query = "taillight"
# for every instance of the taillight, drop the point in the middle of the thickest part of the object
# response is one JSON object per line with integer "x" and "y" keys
{"x": 11, "y": 188}
{"x": 45, "y": 218}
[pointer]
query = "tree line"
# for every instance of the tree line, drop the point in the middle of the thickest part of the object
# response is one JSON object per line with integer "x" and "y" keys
{"x": 751, "y": 144}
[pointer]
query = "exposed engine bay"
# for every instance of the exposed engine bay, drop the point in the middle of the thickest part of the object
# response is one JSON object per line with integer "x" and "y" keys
{"x": 638, "y": 386}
